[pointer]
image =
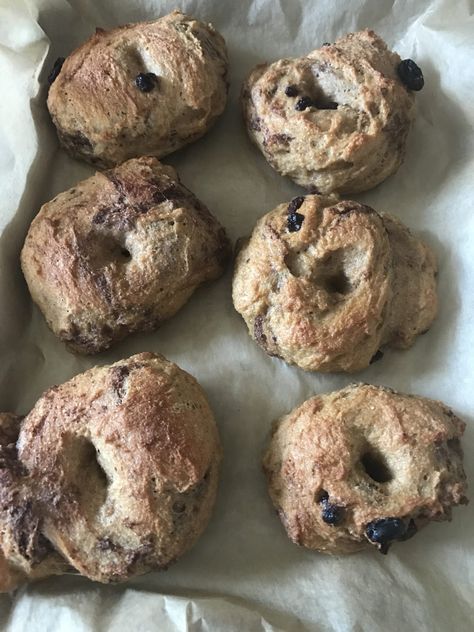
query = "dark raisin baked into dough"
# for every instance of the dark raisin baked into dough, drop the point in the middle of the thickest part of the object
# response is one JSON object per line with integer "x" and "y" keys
{"x": 337, "y": 119}
{"x": 140, "y": 89}
{"x": 120, "y": 252}
{"x": 324, "y": 284}
{"x": 112, "y": 474}
{"x": 364, "y": 467}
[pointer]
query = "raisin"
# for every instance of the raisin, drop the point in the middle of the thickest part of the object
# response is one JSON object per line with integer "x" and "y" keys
{"x": 331, "y": 514}
{"x": 295, "y": 203}
{"x": 385, "y": 531}
{"x": 303, "y": 103}
{"x": 58, "y": 64}
{"x": 146, "y": 81}
{"x": 291, "y": 91}
{"x": 294, "y": 222}
{"x": 411, "y": 74}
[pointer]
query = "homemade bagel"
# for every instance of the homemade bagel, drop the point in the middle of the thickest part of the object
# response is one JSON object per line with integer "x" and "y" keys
{"x": 120, "y": 252}
{"x": 24, "y": 551}
{"x": 335, "y": 120}
{"x": 363, "y": 467}
{"x": 324, "y": 284}
{"x": 114, "y": 474}
{"x": 140, "y": 89}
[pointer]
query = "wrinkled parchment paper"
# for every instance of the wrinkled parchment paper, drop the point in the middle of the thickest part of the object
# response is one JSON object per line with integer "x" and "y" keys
{"x": 244, "y": 574}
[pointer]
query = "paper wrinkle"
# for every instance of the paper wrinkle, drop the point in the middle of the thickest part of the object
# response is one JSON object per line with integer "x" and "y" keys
{"x": 244, "y": 574}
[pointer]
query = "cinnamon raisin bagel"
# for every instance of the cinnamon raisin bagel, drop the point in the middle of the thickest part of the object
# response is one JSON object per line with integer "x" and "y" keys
{"x": 324, "y": 284}
{"x": 114, "y": 474}
{"x": 337, "y": 119}
{"x": 120, "y": 252}
{"x": 364, "y": 467}
{"x": 142, "y": 89}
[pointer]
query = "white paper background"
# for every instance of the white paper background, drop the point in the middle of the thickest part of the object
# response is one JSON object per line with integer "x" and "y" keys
{"x": 244, "y": 574}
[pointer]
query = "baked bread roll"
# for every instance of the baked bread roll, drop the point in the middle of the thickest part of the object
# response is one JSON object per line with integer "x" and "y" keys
{"x": 112, "y": 474}
{"x": 140, "y": 89}
{"x": 324, "y": 284}
{"x": 337, "y": 119}
{"x": 364, "y": 467}
{"x": 120, "y": 252}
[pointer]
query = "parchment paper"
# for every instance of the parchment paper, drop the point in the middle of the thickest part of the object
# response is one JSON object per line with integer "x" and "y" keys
{"x": 244, "y": 574}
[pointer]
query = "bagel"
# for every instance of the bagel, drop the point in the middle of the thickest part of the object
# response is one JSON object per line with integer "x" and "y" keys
{"x": 114, "y": 474}
{"x": 120, "y": 252}
{"x": 140, "y": 89}
{"x": 24, "y": 551}
{"x": 364, "y": 467}
{"x": 324, "y": 284}
{"x": 335, "y": 120}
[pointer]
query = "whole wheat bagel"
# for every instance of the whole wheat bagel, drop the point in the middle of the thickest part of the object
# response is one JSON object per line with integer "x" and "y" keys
{"x": 142, "y": 89}
{"x": 113, "y": 473}
{"x": 364, "y": 467}
{"x": 324, "y": 284}
{"x": 120, "y": 252}
{"x": 334, "y": 120}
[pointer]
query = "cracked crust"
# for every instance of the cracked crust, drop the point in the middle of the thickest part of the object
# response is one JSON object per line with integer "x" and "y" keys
{"x": 328, "y": 296}
{"x": 102, "y": 117}
{"x": 369, "y": 454}
{"x": 353, "y": 136}
{"x": 115, "y": 475}
{"x": 120, "y": 252}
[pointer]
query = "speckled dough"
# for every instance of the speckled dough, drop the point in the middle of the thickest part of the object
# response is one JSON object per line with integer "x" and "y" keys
{"x": 329, "y": 295}
{"x": 102, "y": 116}
{"x": 114, "y": 474}
{"x": 24, "y": 551}
{"x": 363, "y": 467}
{"x": 120, "y": 252}
{"x": 353, "y": 134}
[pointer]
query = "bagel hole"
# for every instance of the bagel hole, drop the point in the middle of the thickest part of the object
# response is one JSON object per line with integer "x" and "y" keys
{"x": 338, "y": 283}
{"x": 102, "y": 250}
{"x": 90, "y": 477}
{"x": 341, "y": 271}
{"x": 376, "y": 467}
{"x": 118, "y": 252}
{"x": 332, "y": 272}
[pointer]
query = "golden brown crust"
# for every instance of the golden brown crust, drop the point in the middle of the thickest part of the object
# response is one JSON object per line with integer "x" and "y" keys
{"x": 414, "y": 302}
{"x": 120, "y": 252}
{"x": 343, "y": 462}
{"x": 24, "y": 552}
{"x": 327, "y": 294}
{"x": 345, "y": 149}
{"x": 102, "y": 116}
{"x": 121, "y": 467}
